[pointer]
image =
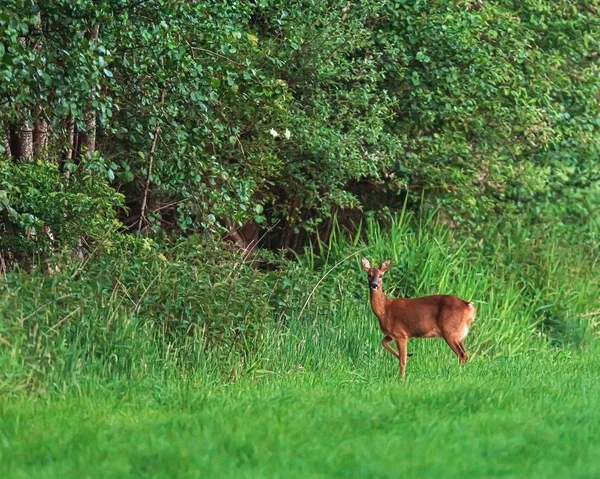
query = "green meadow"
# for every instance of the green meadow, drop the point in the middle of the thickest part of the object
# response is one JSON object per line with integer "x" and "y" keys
{"x": 99, "y": 386}
{"x": 537, "y": 415}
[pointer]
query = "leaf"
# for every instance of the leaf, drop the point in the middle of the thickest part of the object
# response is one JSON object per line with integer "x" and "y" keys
{"x": 415, "y": 79}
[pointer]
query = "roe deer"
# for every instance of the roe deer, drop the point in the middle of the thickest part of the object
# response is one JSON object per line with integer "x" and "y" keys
{"x": 427, "y": 317}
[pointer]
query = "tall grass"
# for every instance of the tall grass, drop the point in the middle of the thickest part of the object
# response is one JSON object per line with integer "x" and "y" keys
{"x": 186, "y": 313}
{"x": 530, "y": 297}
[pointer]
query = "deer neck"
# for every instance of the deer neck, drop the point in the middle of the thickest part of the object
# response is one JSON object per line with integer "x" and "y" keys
{"x": 378, "y": 303}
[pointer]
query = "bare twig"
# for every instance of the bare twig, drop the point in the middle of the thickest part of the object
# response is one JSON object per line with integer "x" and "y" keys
{"x": 139, "y": 302}
{"x": 215, "y": 54}
{"x": 53, "y": 328}
{"x": 87, "y": 259}
{"x": 149, "y": 173}
{"x": 125, "y": 291}
{"x": 325, "y": 275}
{"x": 44, "y": 305}
{"x": 174, "y": 203}
{"x": 3, "y": 265}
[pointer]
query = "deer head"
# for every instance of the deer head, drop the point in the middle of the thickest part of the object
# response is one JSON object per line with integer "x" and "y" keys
{"x": 374, "y": 274}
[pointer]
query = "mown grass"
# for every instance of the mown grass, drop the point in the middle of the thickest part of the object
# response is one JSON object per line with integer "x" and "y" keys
{"x": 172, "y": 364}
{"x": 536, "y": 416}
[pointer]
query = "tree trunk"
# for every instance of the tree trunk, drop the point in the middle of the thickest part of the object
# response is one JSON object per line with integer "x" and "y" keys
{"x": 70, "y": 145}
{"x": 149, "y": 174}
{"x": 298, "y": 237}
{"x": 87, "y": 138}
{"x": 6, "y": 142}
{"x": 40, "y": 136}
{"x": 24, "y": 131}
{"x": 70, "y": 125}
{"x": 26, "y": 140}
{"x": 325, "y": 233}
{"x": 40, "y": 126}
{"x": 250, "y": 234}
{"x": 288, "y": 230}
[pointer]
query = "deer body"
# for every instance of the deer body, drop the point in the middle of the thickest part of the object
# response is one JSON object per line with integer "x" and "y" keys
{"x": 400, "y": 319}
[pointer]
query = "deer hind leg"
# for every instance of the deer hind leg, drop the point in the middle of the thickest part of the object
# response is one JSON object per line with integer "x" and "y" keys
{"x": 458, "y": 349}
{"x": 385, "y": 342}
{"x": 464, "y": 351}
{"x": 403, "y": 356}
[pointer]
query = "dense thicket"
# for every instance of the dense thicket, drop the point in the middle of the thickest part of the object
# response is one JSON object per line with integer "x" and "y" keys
{"x": 213, "y": 116}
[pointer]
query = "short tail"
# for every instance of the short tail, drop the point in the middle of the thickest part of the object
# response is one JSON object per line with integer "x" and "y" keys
{"x": 471, "y": 311}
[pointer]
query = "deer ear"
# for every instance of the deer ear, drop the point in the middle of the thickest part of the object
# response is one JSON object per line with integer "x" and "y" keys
{"x": 385, "y": 266}
{"x": 365, "y": 264}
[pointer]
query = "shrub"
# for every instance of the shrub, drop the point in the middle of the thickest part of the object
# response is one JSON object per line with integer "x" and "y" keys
{"x": 43, "y": 212}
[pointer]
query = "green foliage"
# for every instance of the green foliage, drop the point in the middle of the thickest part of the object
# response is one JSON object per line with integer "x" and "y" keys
{"x": 267, "y": 111}
{"x": 262, "y": 104}
{"x": 48, "y": 63}
{"x": 505, "y": 104}
{"x": 42, "y": 211}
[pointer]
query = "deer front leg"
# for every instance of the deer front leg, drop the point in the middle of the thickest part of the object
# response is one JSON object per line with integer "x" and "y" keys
{"x": 403, "y": 354}
{"x": 386, "y": 344}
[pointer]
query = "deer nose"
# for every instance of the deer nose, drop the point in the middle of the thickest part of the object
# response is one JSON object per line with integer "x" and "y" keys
{"x": 374, "y": 285}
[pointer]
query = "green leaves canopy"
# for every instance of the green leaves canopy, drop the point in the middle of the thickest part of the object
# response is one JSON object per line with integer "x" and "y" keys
{"x": 271, "y": 110}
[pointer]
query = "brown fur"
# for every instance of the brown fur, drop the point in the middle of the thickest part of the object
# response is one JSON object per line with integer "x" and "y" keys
{"x": 400, "y": 319}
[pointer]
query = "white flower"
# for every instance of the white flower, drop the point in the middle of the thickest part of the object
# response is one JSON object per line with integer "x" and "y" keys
{"x": 287, "y": 134}
{"x": 274, "y": 133}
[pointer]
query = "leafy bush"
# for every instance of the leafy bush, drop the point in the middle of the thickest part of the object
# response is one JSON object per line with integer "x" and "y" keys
{"x": 43, "y": 212}
{"x": 224, "y": 113}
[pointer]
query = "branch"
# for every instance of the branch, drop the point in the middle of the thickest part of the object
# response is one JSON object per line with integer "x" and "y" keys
{"x": 210, "y": 52}
{"x": 150, "y": 162}
{"x": 324, "y": 276}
